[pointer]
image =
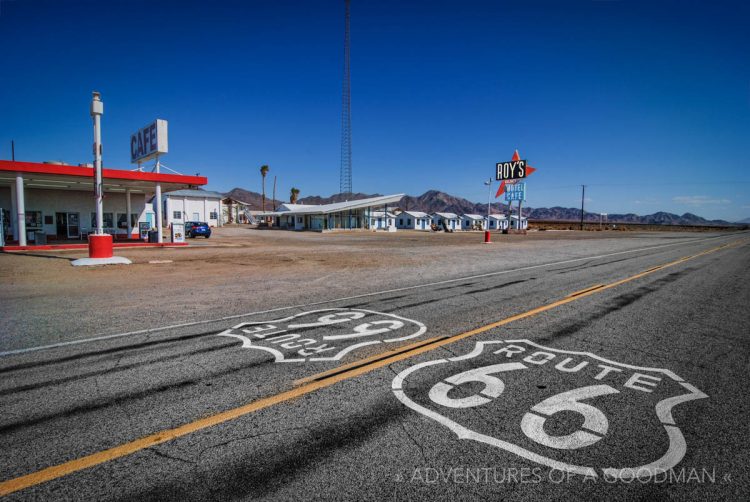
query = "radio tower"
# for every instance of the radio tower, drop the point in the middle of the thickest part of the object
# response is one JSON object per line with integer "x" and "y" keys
{"x": 345, "y": 186}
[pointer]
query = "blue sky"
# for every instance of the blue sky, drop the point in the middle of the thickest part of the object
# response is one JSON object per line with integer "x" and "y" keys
{"x": 647, "y": 103}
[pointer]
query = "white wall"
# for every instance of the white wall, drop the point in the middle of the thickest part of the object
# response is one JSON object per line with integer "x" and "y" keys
{"x": 189, "y": 205}
{"x": 498, "y": 224}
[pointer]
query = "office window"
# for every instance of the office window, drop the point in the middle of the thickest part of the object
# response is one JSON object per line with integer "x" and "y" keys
{"x": 400, "y": 221}
{"x": 108, "y": 220}
{"x": 122, "y": 220}
{"x": 177, "y": 215}
{"x": 408, "y": 221}
{"x": 134, "y": 220}
{"x": 214, "y": 215}
{"x": 33, "y": 219}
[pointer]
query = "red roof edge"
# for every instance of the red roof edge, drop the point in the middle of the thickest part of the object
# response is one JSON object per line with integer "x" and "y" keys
{"x": 107, "y": 173}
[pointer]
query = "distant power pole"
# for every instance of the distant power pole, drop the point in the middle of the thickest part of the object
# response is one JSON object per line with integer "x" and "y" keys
{"x": 12, "y": 150}
{"x": 274, "y": 194}
{"x": 345, "y": 185}
{"x": 583, "y": 196}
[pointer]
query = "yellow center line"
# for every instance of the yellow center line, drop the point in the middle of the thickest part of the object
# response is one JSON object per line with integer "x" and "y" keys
{"x": 590, "y": 288}
{"x": 307, "y": 386}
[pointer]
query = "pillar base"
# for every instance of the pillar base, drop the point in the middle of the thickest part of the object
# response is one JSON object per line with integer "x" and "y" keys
{"x": 89, "y": 262}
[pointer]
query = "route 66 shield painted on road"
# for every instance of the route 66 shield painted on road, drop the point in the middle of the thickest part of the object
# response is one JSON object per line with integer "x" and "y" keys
{"x": 324, "y": 335}
{"x": 571, "y": 411}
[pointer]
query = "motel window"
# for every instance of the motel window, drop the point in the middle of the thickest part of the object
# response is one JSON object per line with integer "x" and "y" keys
{"x": 400, "y": 221}
{"x": 408, "y": 221}
{"x": 299, "y": 219}
{"x": 177, "y": 215}
{"x": 214, "y": 215}
{"x": 134, "y": 220}
{"x": 122, "y": 220}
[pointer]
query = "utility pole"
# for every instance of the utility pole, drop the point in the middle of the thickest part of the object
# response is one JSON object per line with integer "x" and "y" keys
{"x": 583, "y": 196}
{"x": 274, "y": 195}
{"x": 12, "y": 150}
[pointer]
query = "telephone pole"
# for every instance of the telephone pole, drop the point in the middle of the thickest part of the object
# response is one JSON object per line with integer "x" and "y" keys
{"x": 583, "y": 196}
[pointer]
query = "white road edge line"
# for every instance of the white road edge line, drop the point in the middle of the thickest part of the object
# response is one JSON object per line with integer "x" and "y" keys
{"x": 346, "y": 298}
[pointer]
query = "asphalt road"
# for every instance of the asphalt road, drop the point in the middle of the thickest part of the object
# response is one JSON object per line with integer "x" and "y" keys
{"x": 606, "y": 375}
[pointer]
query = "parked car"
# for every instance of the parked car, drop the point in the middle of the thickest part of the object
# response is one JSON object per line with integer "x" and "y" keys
{"x": 197, "y": 228}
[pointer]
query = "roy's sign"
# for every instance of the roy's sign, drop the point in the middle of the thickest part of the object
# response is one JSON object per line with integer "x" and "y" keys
{"x": 571, "y": 411}
{"x": 149, "y": 141}
{"x": 513, "y": 170}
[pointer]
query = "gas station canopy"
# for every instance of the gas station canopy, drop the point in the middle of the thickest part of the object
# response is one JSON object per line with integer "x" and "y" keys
{"x": 81, "y": 178}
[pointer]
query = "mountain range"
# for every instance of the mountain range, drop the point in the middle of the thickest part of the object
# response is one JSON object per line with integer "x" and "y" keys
{"x": 434, "y": 200}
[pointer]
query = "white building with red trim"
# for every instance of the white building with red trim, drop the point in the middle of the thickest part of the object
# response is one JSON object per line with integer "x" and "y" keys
{"x": 57, "y": 201}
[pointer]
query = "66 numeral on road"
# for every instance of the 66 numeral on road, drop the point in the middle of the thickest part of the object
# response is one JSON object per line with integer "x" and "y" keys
{"x": 532, "y": 423}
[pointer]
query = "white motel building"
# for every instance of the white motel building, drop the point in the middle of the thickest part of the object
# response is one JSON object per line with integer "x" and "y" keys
{"x": 362, "y": 214}
{"x": 192, "y": 205}
{"x": 56, "y": 201}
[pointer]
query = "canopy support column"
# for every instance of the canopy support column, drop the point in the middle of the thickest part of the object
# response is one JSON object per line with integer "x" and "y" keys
{"x": 20, "y": 211}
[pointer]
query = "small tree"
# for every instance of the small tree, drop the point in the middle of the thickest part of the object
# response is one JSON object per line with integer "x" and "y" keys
{"x": 263, "y": 173}
{"x": 293, "y": 195}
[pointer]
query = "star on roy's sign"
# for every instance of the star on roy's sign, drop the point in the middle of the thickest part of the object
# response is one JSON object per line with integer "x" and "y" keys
{"x": 510, "y": 173}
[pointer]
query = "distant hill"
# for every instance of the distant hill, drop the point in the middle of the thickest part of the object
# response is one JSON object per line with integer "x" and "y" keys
{"x": 434, "y": 200}
{"x": 339, "y": 197}
{"x": 253, "y": 198}
{"x": 746, "y": 220}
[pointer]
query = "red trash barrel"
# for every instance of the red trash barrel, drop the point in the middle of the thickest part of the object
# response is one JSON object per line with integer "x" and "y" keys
{"x": 486, "y": 236}
{"x": 100, "y": 246}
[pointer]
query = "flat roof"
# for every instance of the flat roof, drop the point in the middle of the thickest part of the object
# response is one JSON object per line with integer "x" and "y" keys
{"x": 336, "y": 206}
{"x": 65, "y": 177}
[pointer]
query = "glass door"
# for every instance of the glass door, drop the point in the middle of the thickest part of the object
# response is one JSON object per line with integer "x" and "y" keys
{"x": 74, "y": 229}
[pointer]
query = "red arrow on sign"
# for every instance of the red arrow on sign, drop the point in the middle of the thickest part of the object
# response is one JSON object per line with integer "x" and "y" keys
{"x": 529, "y": 170}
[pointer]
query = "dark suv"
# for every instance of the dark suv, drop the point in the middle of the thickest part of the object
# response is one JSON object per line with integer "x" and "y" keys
{"x": 196, "y": 228}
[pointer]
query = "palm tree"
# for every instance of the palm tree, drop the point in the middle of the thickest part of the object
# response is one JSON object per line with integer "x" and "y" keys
{"x": 263, "y": 172}
{"x": 293, "y": 195}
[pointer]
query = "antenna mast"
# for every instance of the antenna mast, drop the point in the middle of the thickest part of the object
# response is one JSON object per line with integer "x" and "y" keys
{"x": 345, "y": 185}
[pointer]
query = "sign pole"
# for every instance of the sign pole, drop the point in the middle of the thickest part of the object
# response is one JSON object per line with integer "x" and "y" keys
{"x": 157, "y": 196}
{"x": 100, "y": 243}
{"x": 97, "y": 110}
{"x": 489, "y": 201}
